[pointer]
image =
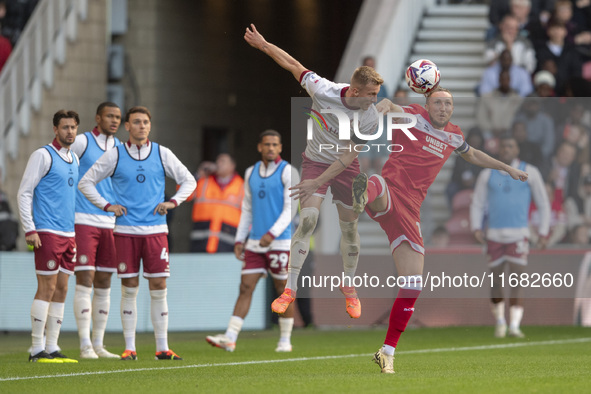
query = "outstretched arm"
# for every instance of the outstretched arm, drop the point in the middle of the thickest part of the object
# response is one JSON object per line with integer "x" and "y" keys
{"x": 284, "y": 59}
{"x": 481, "y": 159}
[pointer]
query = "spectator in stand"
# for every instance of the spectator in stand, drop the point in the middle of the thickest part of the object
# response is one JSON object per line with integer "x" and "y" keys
{"x": 18, "y": 13}
{"x": 520, "y": 80}
{"x": 527, "y": 13}
{"x": 508, "y": 38}
{"x": 540, "y": 126}
{"x": 464, "y": 174}
{"x": 566, "y": 57}
{"x": 578, "y": 208}
{"x": 497, "y": 109}
{"x": 577, "y": 29}
{"x": 576, "y": 132}
{"x": 529, "y": 151}
{"x": 544, "y": 83}
{"x": 557, "y": 220}
{"x": 8, "y": 222}
{"x": 565, "y": 172}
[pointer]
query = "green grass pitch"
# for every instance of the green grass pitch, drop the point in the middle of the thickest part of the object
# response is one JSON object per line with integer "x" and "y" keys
{"x": 444, "y": 360}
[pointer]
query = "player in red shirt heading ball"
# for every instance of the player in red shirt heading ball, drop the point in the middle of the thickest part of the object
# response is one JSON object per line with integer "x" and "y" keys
{"x": 394, "y": 199}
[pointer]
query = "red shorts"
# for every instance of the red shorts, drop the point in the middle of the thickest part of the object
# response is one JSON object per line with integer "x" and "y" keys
{"x": 275, "y": 262}
{"x": 340, "y": 186}
{"x": 96, "y": 249}
{"x": 152, "y": 250}
{"x": 399, "y": 222}
{"x": 57, "y": 253}
{"x": 515, "y": 252}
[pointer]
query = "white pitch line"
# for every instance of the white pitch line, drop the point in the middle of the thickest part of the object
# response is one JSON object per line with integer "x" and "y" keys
{"x": 419, "y": 351}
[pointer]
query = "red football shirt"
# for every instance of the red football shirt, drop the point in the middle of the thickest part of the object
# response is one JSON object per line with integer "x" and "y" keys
{"x": 411, "y": 171}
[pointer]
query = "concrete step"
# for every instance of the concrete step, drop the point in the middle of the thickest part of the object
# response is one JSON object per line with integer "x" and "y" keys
{"x": 454, "y": 23}
{"x": 430, "y": 47}
{"x": 451, "y": 35}
{"x": 453, "y": 84}
{"x": 459, "y": 10}
{"x": 473, "y": 60}
{"x": 461, "y": 72}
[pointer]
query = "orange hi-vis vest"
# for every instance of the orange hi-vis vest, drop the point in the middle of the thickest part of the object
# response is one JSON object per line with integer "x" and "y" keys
{"x": 216, "y": 213}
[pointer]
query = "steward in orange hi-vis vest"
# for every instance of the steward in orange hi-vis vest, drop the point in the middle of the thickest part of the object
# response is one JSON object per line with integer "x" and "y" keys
{"x": 216, "y": 214}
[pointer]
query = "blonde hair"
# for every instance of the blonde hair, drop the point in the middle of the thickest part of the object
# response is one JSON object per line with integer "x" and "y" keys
{"x": 364, "y": 75}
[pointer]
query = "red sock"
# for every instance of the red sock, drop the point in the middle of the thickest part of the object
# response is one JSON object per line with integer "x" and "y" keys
{"x": 374, "y": 188}
{"x": 401, "y": 312}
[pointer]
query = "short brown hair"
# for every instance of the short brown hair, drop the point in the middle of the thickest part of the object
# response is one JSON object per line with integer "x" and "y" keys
{"x": 438, "y": 89}
{"x": 137, "y": 109}
{"x": 267, "y": 133}
{"x": 64, "y": 114}
{"x": 366, "y": 76}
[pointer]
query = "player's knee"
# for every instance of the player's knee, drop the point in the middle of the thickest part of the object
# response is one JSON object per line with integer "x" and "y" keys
{"x": 129, "y": 292}
{"x": 246, "y": 289}
{"x": 102, "y": 280}
{"x": 308, "y": 221}
{"x": 84, "y": 278}
{"x": 349, "y": 231}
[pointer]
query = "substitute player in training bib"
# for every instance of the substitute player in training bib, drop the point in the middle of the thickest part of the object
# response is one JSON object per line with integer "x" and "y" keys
{"x": 138, "y": 169}
{"x": 394, "y": 199}
{"x": 323, "y": 168}
{"x": 46, "y": 200}
{"x": 266, "y": 222}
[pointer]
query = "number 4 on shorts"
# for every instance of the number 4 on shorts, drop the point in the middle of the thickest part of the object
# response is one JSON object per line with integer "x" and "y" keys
{"x": 164, "y": 255}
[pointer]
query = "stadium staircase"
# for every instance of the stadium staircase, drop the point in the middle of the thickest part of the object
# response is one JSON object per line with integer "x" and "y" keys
{"x": 452, "y": 36}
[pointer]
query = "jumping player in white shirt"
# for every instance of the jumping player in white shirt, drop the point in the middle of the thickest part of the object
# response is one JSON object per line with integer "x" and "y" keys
{"x": 46, "y": 199}
{"x": 96, "y": 260}
{"x": 266, "y": 222}
{"x": 138, "y": 169}
{"x": 322, "y": 168}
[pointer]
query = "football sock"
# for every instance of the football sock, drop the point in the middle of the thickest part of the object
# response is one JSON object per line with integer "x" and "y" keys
{"x": 285, "y": 328}
{"x": 515, "y": 315}
{"x": 300, "y": 245}
{"x": 159, "y": 311}
{"x": 234, "y": 327}
{"x": 403, "y": 309}
{"x": 389, "y": 350}
{"x": 55, "y": 316}
{"x": 39, "y": 311}
{"x": 129, "y": 315}
{"x": 376, "y": 186}
{"x": 498, "y": 311}
{"x": 82, "y": 313}
{"x": 101, "y": 303}
{"x": 350, "y": 245}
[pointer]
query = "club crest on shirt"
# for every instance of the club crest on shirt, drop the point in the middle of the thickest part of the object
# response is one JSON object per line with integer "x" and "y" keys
{"x": 141, "y": 178}
{"x": 51, "y": 264}
{"x": 122, "y": 267}
{"x": 83, "y": 259}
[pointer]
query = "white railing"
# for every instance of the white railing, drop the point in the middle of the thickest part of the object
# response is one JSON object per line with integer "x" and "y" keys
{"x": 385, "y": 29}
{"x": 30, "y": 67}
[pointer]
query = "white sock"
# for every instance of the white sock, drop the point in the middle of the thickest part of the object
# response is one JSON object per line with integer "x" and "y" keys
{"x": 350, "y": 246}
{"x": 159, "y": 311}
{"x": 285, "y": 328}
{"x": 129, "y": 315}
{"x": 101, "y": 303}
{"x": 300, "y": 245}
{"x": 39, "y": 311}
{"x": 388, "y": 350}
{"x": 515, "y": 315}
{"x": 55, "y": 316}
{"x": 234, "y": 327}
{"x": 82, "y": 313}
{"x": 498, "y": 311}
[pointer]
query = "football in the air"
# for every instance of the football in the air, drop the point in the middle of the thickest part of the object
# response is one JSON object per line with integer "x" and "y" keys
{"x": 422, "y": 76}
